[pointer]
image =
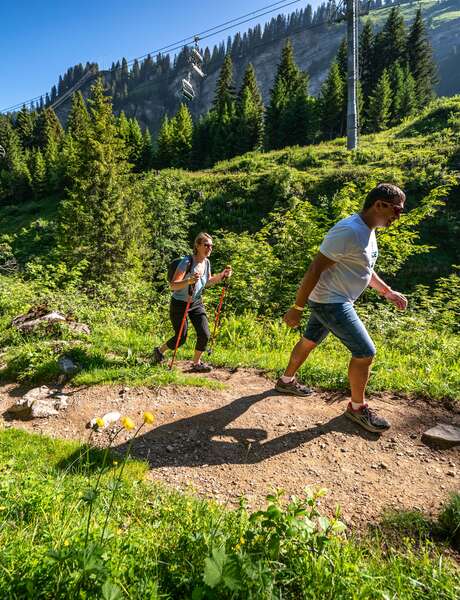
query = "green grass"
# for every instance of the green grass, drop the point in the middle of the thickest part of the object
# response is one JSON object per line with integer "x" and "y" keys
{"x": 163, "y": 544}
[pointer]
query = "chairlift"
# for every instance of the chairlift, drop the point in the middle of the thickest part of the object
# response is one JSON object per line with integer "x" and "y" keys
{"x": 195, "y": 54}
{"x": 187, "y": 90}
{"x": 2, "y": 152}
{"x": 198, "y": 71}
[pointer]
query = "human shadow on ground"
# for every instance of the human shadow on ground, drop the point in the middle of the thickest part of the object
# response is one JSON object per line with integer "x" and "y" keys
{"x": 207, "y": 439}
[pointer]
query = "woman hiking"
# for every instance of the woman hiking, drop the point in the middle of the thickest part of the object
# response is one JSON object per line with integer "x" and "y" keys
{"x": 192, "y": 275}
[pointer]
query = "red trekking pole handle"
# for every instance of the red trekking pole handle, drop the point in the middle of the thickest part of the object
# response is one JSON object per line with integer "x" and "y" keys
{"x": 182, "y": 325}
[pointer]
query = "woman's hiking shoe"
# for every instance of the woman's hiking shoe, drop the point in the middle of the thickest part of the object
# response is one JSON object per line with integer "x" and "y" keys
{"x": 367, "y": 418}
{"x": 158, "y": 356}
{"x": 201, "y": 367}
{"x": 293, "y": 387}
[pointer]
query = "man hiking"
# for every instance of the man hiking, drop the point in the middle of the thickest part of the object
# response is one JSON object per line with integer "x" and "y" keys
{"x": 340, "y": 272}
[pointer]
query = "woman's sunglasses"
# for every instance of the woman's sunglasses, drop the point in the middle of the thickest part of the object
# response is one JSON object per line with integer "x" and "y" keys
{"x": 207, "y": 245}
{"x": 398, "y": 210}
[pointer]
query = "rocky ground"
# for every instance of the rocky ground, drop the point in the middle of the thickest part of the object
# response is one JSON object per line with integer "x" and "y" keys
{"x": 247, "y": 439}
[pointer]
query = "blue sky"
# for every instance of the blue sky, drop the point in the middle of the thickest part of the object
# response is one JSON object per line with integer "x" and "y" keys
{"x": 40, "y": 40}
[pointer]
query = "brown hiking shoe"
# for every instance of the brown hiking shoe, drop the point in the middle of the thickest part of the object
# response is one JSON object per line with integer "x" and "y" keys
{"x": 367, "y": 418}
{"x": 294, "y": 388}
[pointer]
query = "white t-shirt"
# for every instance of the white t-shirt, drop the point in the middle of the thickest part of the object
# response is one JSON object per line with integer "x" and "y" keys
{"x": 353, "y": 247}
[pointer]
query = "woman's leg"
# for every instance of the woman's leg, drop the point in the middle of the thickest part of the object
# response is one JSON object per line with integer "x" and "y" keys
{"x": 199, "y": 320}
{"x": 176, "y": 314}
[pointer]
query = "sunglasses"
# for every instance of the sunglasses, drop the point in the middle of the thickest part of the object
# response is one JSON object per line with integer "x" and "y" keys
{"x": 207, "y": 245}
{"x": 398, "y": 210}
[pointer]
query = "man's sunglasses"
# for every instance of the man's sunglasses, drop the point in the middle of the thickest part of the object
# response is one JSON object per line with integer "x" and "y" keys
{"x": 398, "y": 210}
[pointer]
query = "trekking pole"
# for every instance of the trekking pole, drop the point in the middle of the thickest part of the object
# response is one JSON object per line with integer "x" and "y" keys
{"x": 219, "y": 308}
{"x": 182, "y": 325}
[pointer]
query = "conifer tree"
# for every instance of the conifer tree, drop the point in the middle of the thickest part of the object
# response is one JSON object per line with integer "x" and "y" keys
{"x": 47, "y": 125}
{"x": 289, "y": 83}
{"x": 78, "y": 121}
{"x": 146, "y": 157}
{"x": 25, "y": 127}
{"x": 135, "y": 143}
{"x": 163, "y": 156}
{"x": 14, "y": 171}
{"x": 421, "y": 63}
{"x": 366, "y": 62}
{"x": 181, "y": 138}
{"x": 38, "y": 173}
{"x": 408, "y": 103}
{"x": 250, "y": 114}
{"x": 101, "y": 221}
{"x": 397, "y": 90}
{"x": 331, "y": 104}
{"x": 342, "y": 58}
{"x": 391, "y": 42}
{"x": 380, "y": 104}
{"x": 223, "y": 112}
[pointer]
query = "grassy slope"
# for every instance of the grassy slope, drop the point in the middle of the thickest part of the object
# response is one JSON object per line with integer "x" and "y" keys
{"x": 158, "y": 541}
{"x": 424, "y": 151}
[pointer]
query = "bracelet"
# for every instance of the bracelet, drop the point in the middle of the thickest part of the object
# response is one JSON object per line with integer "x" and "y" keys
{"x": 297, "y": 307}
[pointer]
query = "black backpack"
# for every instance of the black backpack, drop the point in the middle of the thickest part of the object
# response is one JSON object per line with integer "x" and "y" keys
{"x": 172, "y": 268}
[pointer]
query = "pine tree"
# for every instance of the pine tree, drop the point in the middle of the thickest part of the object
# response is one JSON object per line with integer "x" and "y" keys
{"x": 78, "y": 121}
{"x": 181, "y": 138}
{"x": 331, "y": 104}
{"x": 289, "y": 82}
{"x": 250, "y": 114}
{"x": 421, "y": 63}
{"x": 38, "y": 173}
{"x": 408, "y": 103}
{"x": 163, "y": 155}
{"x": 397, "y": 92}
{"x": 380, "y": 104}
{"x": 366, "y": 63}
{"x": 135, "y": 144}
{"x": 101, "y": 221}
{"x": 146, "y": 158}
{"x": 25, "y": 127}
{"x": 342, "y": 59}
{"x": 14, "y": 172}
{"x": 47, "y": 125}
{"x": 391, "y": 42}
{"x": 223, "y": 111}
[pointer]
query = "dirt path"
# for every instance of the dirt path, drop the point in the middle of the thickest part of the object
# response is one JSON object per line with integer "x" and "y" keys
{"x": 248, "y": 439}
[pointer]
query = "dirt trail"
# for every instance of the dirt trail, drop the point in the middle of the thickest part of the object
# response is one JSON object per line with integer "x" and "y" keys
{"x": 248, "y": 439}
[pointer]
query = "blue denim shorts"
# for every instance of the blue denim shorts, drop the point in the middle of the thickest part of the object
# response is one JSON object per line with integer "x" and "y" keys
{"x": 341, "y": 320}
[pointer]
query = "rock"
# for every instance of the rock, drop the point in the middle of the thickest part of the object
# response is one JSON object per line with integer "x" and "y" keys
{"x": 451, "y": 473}
{"x": 442, "y": 435}
{"x": 67, "y": 366}
{"x": 169, "y": 448}
{"x": 39, "y": 403}
{"x": 42, "y": 315}
{"x": 41, "y": 409}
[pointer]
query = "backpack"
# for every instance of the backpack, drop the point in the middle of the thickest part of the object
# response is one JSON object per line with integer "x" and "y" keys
{"x": 172, "y": 268}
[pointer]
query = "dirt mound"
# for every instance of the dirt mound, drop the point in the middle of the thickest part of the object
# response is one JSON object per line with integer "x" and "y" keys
{"x": 248, "y": 439}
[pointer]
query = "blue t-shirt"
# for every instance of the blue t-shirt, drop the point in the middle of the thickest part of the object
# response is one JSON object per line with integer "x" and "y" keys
{"x": 183, "y": 266}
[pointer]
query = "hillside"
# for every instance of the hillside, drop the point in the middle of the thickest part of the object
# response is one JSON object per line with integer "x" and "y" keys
{"x": 150, "y": 97}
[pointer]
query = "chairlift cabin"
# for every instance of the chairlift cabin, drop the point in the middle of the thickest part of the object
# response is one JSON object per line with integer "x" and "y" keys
{"x": 2, "y": 152}
{"x": 187, "y": 90}
{"x": 196, "y": 55}
{"x": 198, "y": 71}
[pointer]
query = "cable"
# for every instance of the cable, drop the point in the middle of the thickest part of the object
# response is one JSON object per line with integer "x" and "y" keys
{"x": 179, "y": 44}
{"x": 172, "y": 48}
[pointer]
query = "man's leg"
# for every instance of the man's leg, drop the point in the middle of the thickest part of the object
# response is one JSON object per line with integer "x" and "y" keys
{"x": 299, "y": 355}
{"x": 314, "y": 334}
{"x": 358, "y": 375}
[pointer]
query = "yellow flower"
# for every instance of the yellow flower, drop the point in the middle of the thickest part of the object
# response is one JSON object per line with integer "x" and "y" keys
{"x": 127, "y": 423}
{"x": 66, "y": 542}
{"x": 149, "y": 419}
{"x": 100, "y": 422}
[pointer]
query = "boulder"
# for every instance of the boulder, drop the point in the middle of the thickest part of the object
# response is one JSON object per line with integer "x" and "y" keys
{"x": 442, "y": 435}
{"x": 39, "y": 403}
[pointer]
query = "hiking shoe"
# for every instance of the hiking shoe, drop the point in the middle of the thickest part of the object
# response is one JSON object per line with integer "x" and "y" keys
{"x": 201, "y": 367}
{"x": 367, "y": 418}
{"x": 158, "y": 356}
{"x": 293, "y": 387}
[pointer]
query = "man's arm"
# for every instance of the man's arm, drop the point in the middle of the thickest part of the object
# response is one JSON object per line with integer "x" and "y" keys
{"x": 319, "y": 264}
{"x": 385, "y": 290}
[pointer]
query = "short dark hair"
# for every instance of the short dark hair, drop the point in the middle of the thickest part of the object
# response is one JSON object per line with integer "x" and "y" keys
{"x": 384, "y": 191}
